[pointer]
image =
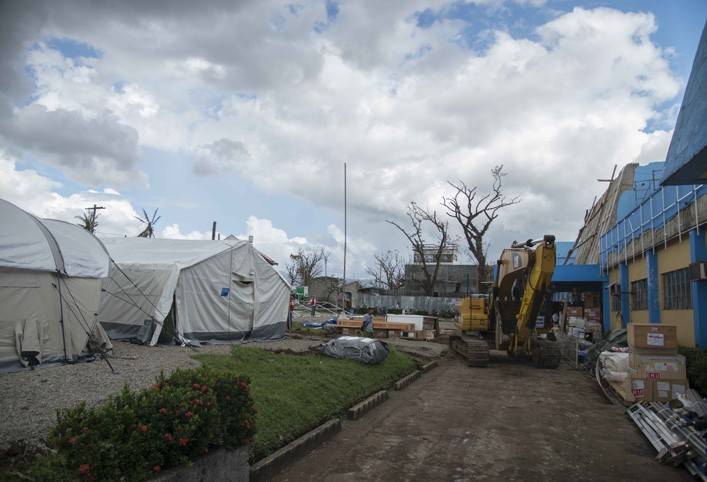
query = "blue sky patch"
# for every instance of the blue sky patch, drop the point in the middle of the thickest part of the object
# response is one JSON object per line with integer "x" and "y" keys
{"x": 73, "y": 49}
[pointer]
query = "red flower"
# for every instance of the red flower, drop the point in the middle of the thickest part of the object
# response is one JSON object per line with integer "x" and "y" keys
{"x": 183, "y": 441}
{"x": 188, "y": 414}
{"x": 84, "y": 469}
{"x": 163, "y": 410}
{"x": 72, "y": 440}
{"x": 156, "y": 468}
{"x": 169, "y": 437}
{"x": 143, "y": 428}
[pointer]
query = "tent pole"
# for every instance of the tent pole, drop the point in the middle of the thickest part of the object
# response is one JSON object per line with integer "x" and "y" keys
{"x": 61, "y": 315}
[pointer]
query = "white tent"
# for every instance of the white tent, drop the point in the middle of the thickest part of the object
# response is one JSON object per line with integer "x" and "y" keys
{"x": 50, "y": 286}
{"x": 215, "y": 290}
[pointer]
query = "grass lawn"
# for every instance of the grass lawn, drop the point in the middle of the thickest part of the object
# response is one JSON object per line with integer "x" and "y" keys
{"x": 295, "y": 393}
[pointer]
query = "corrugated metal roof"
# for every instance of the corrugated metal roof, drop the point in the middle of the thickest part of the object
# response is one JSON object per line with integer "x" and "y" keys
{"x": 686, "y": 162}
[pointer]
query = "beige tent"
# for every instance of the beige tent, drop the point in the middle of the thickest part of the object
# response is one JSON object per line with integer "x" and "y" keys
{"x": 50, "y": 288}
{"x": 216, "y": 291}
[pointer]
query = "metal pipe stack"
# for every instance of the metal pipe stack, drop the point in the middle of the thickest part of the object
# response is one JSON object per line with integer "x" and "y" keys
{"x": 673, "y": 436}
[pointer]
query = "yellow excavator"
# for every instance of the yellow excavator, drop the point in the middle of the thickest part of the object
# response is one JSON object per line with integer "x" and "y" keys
{"x": 507, "y": 318}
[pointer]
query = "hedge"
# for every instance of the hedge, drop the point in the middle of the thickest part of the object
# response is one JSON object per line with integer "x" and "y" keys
{"x": 135, "y": 435}
{"x": 696, "y": 368}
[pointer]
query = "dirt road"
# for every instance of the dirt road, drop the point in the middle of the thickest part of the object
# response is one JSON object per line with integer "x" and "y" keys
{"x": 505, "y": 422}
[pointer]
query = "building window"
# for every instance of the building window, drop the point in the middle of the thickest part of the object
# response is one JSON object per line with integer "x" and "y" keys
{"x": 676, "y": 290}
{"x": 639, "y": 294}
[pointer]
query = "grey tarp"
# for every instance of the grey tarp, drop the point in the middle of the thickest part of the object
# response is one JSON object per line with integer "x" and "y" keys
{"x": 366, "y": 350}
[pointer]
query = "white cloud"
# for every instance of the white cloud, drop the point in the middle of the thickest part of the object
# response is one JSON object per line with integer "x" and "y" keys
{"x": 37, "y": 194}
{"x": 284, "y": 106}
{"x": 172, "y": 231}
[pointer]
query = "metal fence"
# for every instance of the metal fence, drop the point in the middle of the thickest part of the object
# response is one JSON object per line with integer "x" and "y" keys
{"x": 429, "y": 304}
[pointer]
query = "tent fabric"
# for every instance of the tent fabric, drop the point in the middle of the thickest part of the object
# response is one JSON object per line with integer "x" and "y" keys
{"x": 220, "y": 290}
{"x": 27, "y": 242}
{"x": 50, "y": 285}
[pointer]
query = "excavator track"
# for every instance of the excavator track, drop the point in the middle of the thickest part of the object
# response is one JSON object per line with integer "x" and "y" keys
{"x": 474, "y": 350}
{"x": 546, "y": 353}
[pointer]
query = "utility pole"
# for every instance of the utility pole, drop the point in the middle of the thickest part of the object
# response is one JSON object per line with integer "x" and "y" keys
{"x": 93, "y": 210}
{"x": 343, "y": 281}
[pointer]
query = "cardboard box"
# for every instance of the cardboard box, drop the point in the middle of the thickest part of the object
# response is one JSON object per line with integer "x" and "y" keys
{"x": 652, "y": 338}
{"x": 576, "y": 311}
{"x": 657, "y": 367}
{"x": 666, "y": 390}
{"x": 634, "y": 390}
{"x": 591, "y": 300}
{"x": 593, "y": 314}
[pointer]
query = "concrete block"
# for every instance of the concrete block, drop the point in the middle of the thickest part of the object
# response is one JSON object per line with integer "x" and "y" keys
{"x": 220, "y": 465}
{"x": 405, "y": 381}
{"x": 428, "y": 366}
{"x": 265, "y": 468}
{"x": 361, "y": 408}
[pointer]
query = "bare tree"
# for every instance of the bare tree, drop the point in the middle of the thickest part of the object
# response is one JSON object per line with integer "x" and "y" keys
{"x": 304, "y": 265}
{"x": 476, "y": 213}
{"x": 388, "y": 270}
{"x": 420, "y": 220}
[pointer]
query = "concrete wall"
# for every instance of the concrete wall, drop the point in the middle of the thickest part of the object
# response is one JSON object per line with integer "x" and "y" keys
{"x": 430, "y": 304}
{"x": 614, "y": 278}
{"x": 453, "y": 280}
{"x": 676, "y": 256}
{"x": 638, "y": 270}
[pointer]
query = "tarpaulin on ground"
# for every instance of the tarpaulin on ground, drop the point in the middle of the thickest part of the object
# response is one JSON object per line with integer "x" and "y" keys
{"x": 365, "y": 350}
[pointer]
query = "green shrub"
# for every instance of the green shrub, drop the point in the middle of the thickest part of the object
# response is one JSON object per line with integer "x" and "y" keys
{"x": 696, "y": 368}
{"x": 135, "y": 435}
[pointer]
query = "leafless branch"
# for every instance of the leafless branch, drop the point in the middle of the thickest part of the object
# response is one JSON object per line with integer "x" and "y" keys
{"x": 476, "y": 214}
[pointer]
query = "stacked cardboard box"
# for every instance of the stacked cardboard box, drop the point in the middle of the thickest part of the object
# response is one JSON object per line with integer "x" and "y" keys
{"x": 591, "y": 300}
{"x": 592, "y": 314}
{"x": 656, "y": 371}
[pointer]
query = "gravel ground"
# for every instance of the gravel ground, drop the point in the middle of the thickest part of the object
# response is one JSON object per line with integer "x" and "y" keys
{"x": 30, "y": 399}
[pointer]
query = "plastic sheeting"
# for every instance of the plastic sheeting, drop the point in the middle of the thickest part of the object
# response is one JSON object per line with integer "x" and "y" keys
{"x": 365, "y": 350}
{"x": 224, "y": 290}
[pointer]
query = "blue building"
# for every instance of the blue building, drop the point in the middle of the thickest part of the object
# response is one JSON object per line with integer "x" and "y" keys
{"x": 647, "y": 231}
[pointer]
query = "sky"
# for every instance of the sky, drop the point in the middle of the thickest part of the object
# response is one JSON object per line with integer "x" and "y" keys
{"x": 244, "y": 113}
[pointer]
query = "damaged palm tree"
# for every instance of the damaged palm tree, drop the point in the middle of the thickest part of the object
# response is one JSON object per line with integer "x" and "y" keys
{"x": 149, "y": 222}
{"x": 88, "y": 221}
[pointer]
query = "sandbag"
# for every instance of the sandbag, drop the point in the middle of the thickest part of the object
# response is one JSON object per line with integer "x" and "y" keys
{"x": 365, "y": 350}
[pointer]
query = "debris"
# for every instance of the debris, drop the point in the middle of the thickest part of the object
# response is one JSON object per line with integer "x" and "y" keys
{"x": 676, "y": 434}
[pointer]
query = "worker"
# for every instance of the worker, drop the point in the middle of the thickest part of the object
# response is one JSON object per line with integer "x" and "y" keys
{"x": 367, "y": 327}
{"x": 290, "y": 312}
{"x": 313, "y": 304}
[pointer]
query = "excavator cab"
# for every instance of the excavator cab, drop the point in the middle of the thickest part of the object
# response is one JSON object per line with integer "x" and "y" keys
{"x": 520, "y": 288}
